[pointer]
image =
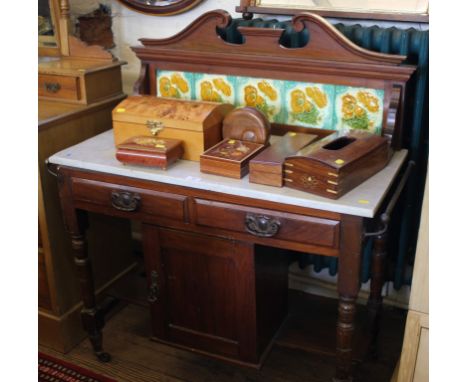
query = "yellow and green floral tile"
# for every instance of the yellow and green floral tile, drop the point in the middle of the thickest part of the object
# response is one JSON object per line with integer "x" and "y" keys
{"x": 359, "y": 108}
{"x": 308, "y": 104}
{"x": 263, "y": 94}
{"x": 174, "y": 84}
{"x": 214, "y": 87}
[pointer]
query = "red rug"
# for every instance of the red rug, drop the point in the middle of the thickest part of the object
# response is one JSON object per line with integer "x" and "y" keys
{"x": 55, "y": 370}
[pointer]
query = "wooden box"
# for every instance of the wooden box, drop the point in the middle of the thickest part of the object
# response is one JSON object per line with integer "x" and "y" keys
{"x": 229, "y": 158}
{"x": 336, "y": 164}
{"x": 267, "y": 167}
{"x": 150, "y": 151}
{"x": 246, "y": 132}
{"x": 79, "y": 80}
{"x": 197, "y": 124}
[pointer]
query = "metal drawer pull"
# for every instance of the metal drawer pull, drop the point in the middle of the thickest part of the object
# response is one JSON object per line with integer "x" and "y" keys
{"x": 52, "y": 87}
{"x": 153, "y": 293}
{"x": 125, "y": 201}
{"x": 261, "y": 225}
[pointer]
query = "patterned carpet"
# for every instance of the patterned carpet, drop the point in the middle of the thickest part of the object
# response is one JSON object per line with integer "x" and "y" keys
{"x": 54, "y": 370}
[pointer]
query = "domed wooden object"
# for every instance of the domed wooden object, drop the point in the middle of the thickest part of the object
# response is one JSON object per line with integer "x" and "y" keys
{"x": 247, "y": 124}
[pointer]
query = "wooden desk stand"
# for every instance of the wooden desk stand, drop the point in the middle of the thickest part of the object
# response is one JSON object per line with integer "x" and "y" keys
{"x": 193, "y": 203}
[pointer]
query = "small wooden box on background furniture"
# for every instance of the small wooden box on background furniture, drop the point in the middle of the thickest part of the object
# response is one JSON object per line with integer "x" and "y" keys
{"x": 267, "y": 167}
{"x": 79, "y": 80}
{"x": 197, "y": 124}
{"x": 336, "y": 164}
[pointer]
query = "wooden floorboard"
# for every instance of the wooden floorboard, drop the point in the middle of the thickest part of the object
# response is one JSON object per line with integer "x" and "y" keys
{"x": 135, "y": 358}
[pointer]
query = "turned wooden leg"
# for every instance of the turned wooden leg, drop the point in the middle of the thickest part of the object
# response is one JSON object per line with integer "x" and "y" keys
{"x": 344, "y": 337}
{"x": 374, "y": 303}
{"x": 91, "y": 316}
{"x": 348, "y": 288}
{"x": 75, "y": 222}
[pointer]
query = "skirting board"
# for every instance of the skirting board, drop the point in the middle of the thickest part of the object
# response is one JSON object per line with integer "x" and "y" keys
{"x": 322, "y": 284}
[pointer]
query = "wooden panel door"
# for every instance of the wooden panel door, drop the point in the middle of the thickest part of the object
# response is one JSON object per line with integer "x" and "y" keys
{"x": 202, "y": 292}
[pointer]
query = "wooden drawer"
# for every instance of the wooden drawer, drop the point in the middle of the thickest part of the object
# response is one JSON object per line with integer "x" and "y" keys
{"x": 129, "y": 201}
{"x": 267, "y": 223}
{"x": 61, "y": 87}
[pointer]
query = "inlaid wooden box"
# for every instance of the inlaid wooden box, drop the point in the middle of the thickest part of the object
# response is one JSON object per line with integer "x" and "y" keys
{"x": 197, "y": 124}
{"x": 246, "y": 132}
{"x": 229, "y": 158}
{"x": 150, "y": 151}
{"x": 336, "y": 164}
{"x": 267, "y": 167}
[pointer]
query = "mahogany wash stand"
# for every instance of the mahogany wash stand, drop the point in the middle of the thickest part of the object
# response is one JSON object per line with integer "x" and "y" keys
{"x": 213, "y": 226}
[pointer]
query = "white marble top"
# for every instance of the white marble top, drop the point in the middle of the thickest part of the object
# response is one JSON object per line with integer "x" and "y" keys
{"x": 98, "y": 154}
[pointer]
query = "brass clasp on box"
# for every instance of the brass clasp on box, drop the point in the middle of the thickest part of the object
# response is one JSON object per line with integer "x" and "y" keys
{"x": 155, "y": 127}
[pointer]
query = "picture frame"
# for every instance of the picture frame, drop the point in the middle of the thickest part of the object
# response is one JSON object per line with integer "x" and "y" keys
{"x": 398, "y": 10}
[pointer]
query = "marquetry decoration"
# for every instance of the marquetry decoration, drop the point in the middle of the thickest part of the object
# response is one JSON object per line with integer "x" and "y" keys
{"x": 336, "y": 164}
{"x": 246, "y": 132}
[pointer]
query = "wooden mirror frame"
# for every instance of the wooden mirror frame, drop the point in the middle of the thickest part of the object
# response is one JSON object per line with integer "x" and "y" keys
{"x": 249, "y": 7}
{"x": 55, "y": 15}
{"x": 161, "y": 10}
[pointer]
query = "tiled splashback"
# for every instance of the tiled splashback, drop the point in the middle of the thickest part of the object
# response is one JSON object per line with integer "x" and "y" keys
{"x": 289, "y": 102}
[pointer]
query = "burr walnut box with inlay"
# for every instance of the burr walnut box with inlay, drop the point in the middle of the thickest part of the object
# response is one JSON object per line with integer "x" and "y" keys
{"x": 197, "y": 124}
{"x": 336, "y": 164}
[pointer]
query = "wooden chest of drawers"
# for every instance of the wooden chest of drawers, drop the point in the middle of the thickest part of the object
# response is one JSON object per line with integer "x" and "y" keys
{"x": 59, "y": 87}
{"x": 79, "y": 80}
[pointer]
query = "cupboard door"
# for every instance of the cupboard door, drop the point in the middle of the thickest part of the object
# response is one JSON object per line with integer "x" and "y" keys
{"x": 205, "y": 291}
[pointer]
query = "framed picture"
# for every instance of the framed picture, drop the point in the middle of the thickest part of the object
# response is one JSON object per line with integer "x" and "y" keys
{"x": 395, "y": 10}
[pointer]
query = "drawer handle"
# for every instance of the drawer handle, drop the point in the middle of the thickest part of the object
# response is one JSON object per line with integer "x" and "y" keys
{"x": 261, "y": 225}
{"x": 52, "y": 87}
{"x": 125, "y": 201}
{"x": 153, "y": 293}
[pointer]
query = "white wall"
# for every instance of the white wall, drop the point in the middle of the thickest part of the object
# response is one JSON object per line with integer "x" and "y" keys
{"x": 128, "y": 26}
